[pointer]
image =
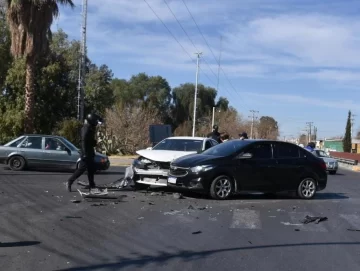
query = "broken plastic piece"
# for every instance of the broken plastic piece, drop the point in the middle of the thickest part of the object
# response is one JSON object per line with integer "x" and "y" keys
{"x": 316, "y": 219}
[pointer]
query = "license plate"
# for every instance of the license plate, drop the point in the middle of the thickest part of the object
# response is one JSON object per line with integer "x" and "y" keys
{"x": 172, "y": 180}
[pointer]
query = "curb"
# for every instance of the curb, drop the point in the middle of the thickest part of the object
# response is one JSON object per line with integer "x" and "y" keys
{"x": 349, "y": 167}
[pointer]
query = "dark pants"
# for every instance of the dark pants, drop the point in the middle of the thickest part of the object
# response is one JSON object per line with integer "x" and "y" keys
{"x": 85, "y": 164}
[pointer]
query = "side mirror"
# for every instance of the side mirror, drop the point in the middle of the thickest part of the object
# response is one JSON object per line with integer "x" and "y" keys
{"x": 245, "y": 156}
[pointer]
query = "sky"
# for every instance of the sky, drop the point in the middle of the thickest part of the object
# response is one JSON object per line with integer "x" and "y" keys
{"x": 295, "y": 60}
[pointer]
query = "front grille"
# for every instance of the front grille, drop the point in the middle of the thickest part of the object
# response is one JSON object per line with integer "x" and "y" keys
{"x": 178, "y": 172}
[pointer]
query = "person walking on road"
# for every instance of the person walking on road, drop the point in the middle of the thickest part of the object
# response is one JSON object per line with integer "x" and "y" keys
{"x": 88, "y": 143}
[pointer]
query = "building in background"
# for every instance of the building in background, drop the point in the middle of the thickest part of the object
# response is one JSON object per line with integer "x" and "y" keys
{"x": 337, "y": 145}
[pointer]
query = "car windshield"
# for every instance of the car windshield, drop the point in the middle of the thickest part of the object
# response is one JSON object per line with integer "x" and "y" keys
{"x": 69, "y": 144}
{"x": 227, "y": 148}
{"x": 189, "y": 145}
{"x": 322, "y": 154}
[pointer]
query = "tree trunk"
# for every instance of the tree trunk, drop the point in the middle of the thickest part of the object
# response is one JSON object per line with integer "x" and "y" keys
{"x": 29, "y": 96}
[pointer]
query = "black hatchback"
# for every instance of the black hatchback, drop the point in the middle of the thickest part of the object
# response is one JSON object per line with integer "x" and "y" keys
{"x": 250, "y": 165}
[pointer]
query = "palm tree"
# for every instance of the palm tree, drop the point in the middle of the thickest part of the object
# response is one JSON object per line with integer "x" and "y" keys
{"x": 29, "y": 22}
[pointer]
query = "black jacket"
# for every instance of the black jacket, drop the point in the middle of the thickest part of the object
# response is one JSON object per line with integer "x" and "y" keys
{"x": 215, "y": 135}
{"x": 88, "y": 141}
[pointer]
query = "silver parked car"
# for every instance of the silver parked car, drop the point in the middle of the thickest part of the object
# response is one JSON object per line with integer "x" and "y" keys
{"x": 331, "y": 163}
{"x": 45, "y": 151}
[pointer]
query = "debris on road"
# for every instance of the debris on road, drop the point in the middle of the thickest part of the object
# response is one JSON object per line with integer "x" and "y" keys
{"x": 316, "y": 219}
{"x": 191, "y": 207}
{"x": 75, "y": 201}
{"x": 197, "y": 232}
{"x": 353, "y": 230}
{"x": 99, "y": 204}
{"x": 202, "y": 208}
{"x": 157, "y": 194}
{"x": 250, "y": 242}
{"x": 172, "y": 212}
{"x": 151, "y": 203}
{"x": 178, "y": 196}
{"x": 73, "y": 217}
{"x": 297, "y": 230}
{"x": 140, "y": 218}
{"x": 290, "y": 224}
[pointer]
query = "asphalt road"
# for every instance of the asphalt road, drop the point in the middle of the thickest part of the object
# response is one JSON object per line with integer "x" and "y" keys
{"x": 41, "y": 229}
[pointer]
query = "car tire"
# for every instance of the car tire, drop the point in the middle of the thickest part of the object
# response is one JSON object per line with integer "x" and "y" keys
{"x": 17, "y": 163}
{"x": 307, "y": 188}
{"x": 221, "y": 187}
{"x": 332, "y": 172}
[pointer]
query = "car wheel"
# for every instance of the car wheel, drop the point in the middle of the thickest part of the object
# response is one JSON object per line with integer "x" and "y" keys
{"x": 307, "y": 188}
{"x": 17, "y": 163}
{"x": 333, "y": 172}
{"x": 221, "y": 188}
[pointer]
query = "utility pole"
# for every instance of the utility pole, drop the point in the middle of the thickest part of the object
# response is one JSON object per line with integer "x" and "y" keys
{"x": 218, "y": 77}
{"x": 309, "y": 131}
{"x": 82, "y": 63}
{"x": 196, "y": 89}
{"x": 315, "y": 133}
{"x": 253, "y": 112}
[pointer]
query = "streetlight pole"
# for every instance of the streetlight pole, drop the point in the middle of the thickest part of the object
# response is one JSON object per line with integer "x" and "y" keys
{"x": 196, "y": 90}
{"x": 213, "y": 117}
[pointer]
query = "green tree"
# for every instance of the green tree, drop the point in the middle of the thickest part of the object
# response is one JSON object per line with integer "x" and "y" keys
{"x": 99, "y": 95}
{"x": 183, "y": 102}
{"x": 223, "y": 104}
{"x": 5, "y": 43}
{"x": 29, "y": 23}
{"x": 347, "y": 137}
{"x": 268, "y": 128}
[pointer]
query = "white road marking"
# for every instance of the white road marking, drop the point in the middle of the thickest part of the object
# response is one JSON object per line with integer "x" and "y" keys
{"x": 245, "y": 219}
{"x": 353, "y": 220}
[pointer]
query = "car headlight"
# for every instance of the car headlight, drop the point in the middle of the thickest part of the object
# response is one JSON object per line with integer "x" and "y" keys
{"x": 199, "y": 169}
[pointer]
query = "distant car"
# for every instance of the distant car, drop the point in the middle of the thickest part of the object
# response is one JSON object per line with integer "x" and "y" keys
{"x": 332, "y": 164}
{"x": 45, "y": 151}
{"x": 152, "y": 165}
{"x": 250, "y": 165}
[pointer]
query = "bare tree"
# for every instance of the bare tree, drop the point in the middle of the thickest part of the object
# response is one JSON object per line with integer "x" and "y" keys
{"x": 128, "y": 126}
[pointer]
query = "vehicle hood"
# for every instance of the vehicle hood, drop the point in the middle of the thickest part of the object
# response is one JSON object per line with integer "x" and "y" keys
{"x": 328, "y": 159}
{"x": 194, "y": 160}
{"x": 162, "y": 155}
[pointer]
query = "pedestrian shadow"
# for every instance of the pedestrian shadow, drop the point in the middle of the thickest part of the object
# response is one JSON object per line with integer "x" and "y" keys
{"x": 188, "y": 256}
{"x": 19, "y": 244}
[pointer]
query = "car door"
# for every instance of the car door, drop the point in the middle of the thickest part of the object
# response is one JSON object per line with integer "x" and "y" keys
{"x": 257, "y": 172}
{"x": 289, "y": 165}
{"x": 57, "y": 155}
{"x": 31, "y": 149}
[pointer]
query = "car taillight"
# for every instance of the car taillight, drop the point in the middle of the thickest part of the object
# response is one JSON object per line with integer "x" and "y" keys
{"x": 323, "y": 165}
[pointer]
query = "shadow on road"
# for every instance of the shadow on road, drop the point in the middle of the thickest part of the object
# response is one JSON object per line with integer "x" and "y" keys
{"x": 19, "y": 244}
{"x": 164, "y": 257}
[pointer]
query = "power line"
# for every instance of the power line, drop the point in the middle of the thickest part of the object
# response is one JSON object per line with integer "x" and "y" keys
{"x": 188, "y": 36}
{"x": 174, "y": 37}
{"x": 211, "y": 49}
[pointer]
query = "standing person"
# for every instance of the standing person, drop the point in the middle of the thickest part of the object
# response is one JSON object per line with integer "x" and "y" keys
{"x": 310, "y": 147}
{"x": 215, "y": 134}
{"x": 88, "y": 143}
{"x": 243, "y": 136}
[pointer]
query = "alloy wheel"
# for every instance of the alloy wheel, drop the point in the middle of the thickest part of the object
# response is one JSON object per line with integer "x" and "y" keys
{"x": 223, "y": 188}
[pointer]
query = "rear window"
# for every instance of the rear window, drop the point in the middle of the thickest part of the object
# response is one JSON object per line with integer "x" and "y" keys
{"x": 179, "y": 145}
{"x": 227, "y": 148}
{"x": 286, "y": 151}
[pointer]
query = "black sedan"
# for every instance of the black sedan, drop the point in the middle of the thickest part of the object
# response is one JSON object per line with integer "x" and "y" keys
{"x": 250, "y": 165}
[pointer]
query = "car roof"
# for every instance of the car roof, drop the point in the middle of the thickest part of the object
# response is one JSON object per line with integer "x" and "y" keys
{"x": 187, "y": 137}
{"x": 41, "y": 135}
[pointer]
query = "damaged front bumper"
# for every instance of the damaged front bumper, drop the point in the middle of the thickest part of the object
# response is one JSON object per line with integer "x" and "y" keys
{"x": 150, "y": 172}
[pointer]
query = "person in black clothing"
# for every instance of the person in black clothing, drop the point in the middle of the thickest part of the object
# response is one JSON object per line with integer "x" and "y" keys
{"x": 215, "y": 134}
{"x": 243, "y": 136}
{"x": 88, "y": 143}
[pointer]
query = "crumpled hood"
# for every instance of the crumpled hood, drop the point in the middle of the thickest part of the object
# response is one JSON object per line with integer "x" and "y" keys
{"x": 162, "y": 155}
